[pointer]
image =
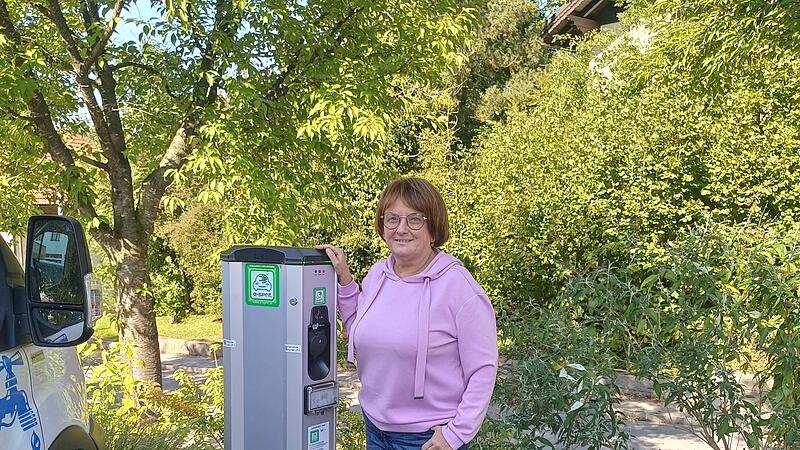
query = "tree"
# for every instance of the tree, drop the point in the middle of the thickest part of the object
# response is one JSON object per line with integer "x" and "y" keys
{"x": 217, "y": 88}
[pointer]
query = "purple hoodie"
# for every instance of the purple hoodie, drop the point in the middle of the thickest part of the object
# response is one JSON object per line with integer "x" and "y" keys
{"x": 426, "y": 346}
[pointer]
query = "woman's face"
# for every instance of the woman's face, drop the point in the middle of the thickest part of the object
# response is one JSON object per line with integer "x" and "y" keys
{"x": 403, "y": 242}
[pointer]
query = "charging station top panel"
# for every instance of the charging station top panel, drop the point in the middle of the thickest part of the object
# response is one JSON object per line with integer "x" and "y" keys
{"x": 275, "y": 255}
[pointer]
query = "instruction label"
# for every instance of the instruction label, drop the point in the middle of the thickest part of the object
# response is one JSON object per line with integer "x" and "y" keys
{"x": 318, "y": 437}
{"x": 292, "y": 348}
{"x": 262, "y": 286}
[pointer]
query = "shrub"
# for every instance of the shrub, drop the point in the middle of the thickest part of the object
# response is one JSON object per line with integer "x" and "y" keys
{"x": 556, "y": 387}
{"x": 137, "y": 416}
{"x": 350, "y": 433}
{"x": 687, "y": 315}
{"x": 169, "y": 286}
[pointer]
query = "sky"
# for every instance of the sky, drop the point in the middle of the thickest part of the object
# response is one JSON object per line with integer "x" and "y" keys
{"x": 127, "y": 31}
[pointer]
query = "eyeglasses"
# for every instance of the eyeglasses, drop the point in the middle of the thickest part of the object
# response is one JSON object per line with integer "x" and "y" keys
{"x": 415, "y": 221}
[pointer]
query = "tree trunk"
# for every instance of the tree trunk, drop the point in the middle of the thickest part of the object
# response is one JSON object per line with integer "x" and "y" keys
{"x": 136, "y": 312}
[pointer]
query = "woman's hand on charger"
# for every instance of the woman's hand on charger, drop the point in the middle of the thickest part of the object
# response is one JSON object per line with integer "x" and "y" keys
{"x": 339, "y": 261}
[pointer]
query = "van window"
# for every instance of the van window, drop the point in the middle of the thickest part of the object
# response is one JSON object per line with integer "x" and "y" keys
{"x": 11, "y": 276}
{"x": 14, "y": 275}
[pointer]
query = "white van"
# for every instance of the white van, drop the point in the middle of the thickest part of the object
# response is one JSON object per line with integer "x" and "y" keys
{"x": 45, "y": 311}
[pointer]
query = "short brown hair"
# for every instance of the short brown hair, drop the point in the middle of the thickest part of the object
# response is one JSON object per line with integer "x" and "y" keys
{"x": 422, "y": 196}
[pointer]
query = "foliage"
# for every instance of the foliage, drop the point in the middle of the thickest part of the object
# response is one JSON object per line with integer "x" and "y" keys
{"x": 105, "y": 327}
{"x": 615, "y": 147}
{"x": 225, "y": 97}
{"x": 555, "y": 390}
{"x": 169, "y": 286}
{"x": 16, "y": 190}
{"x": 687, "y": 313}
{"x": 592, "y": 179}
{"x": 350, "y": 434}
{"x": 137, "y": 415}
{"x": 197, "y": 237}
{"x": 502, "y": 52}
{"x": 721, "y": 45}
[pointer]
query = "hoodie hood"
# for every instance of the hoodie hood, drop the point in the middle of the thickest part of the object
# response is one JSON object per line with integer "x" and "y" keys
{"x": 438, "y": 266}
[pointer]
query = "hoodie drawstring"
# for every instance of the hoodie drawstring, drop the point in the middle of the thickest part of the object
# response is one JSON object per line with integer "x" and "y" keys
{"x": 423, "y": 325}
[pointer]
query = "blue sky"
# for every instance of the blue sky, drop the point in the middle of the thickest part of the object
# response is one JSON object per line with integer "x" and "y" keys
{"x": 138, "y": 10}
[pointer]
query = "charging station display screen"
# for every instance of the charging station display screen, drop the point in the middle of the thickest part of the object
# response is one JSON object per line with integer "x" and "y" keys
{"x": 321, "y": 397}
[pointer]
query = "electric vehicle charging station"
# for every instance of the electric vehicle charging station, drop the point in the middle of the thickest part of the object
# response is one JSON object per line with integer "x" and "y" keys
{"x": 279, "y": 357}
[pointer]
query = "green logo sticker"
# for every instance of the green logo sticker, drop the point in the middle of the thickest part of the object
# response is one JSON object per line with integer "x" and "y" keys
{"x": 319, "y": 436}
{"x": 262, "y": 285}
{"x": 320, "y": 297}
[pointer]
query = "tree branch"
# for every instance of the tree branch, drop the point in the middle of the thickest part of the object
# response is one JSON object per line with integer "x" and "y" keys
{"x": 106, "y": 120}
{"x": 99, "y": 47}
{"x": 93, "y": 162}
{"x": 17, "y": 115}
{"x": 204, "y": 93}
{"x": 53, "y": 60}
{"x": 42, "y": 119}
{"x": 147, "y": 68}
{"x": 57, "y": 17}
{"x": 280, "y": 86}
{"x": 104, "y": 79}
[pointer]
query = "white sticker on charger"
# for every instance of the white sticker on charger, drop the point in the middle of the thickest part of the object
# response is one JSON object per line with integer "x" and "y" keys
{"x": 229, "y": 343}
{"x": 292, "y": 348}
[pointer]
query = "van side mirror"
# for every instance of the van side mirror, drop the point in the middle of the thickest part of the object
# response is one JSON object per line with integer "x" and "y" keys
{"x": 62, "y": 293}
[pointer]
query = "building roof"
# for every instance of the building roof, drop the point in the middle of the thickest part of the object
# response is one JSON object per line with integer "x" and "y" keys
{"x": 47, "y": 198}
{"x": 577, "y": 17}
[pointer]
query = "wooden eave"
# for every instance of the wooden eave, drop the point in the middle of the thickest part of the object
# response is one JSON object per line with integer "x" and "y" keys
{"x": 577, "y": 17}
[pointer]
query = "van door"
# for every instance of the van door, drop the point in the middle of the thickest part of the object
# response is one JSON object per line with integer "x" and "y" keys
{"x": 59, "y": 391}
{"x": 20, "y": 424}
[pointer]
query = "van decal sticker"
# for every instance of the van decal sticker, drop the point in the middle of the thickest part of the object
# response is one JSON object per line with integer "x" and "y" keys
{"x": 36, "y": 443}
{"x": 14, "y": 405}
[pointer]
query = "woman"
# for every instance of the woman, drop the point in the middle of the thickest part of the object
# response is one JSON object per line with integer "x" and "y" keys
{"x": 422, "y": 329}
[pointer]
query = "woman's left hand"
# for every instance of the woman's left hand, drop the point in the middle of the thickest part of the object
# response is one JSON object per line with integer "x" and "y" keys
{"x": 437, "y": 442}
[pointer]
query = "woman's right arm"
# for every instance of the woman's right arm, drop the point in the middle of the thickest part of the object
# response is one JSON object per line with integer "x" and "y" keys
{"x": 347, "y": 303}
{"x": 347, "y": 299}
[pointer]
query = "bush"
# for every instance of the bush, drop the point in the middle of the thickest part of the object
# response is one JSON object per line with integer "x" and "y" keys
{"x": 137, "y": 416}
{"x": 197, "y": 239}
{"x": 169, "y": 285}
{"x": 350, "y": 434}
{"x": 624, "y": 145}
{"x": 689, "y": 314}
{"x": 555, "y": 388}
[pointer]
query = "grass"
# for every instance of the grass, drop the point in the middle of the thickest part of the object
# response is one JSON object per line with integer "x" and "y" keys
{"x": 104, "y": 328}
{"x": 207, "y": 327}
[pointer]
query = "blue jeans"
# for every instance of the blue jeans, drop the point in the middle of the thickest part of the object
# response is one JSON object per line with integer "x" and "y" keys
{"x": 378, "y": 439}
